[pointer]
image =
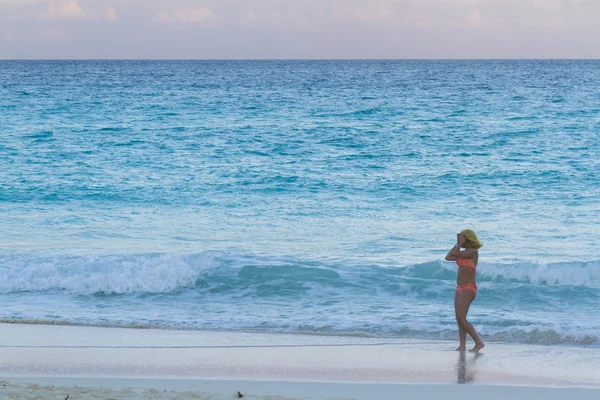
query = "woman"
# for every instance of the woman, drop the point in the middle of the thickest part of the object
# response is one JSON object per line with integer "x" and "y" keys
{"x": 466, "y": 288}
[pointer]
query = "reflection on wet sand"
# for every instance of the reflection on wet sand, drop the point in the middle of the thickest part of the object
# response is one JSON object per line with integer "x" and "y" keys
{"x": 466, "y": 367}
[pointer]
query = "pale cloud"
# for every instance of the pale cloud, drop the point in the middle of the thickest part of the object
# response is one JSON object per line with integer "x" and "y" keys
{"x": 202, "y": 14}
{"x": 251, "y": 16}
{"x": 474, "y": 17}
{"x": 65, "y": 9}
{"x": 111, "y": 14}
{"x": 60, "y": 10}
{"x": 380, "y": 12}
{"x": 372, "y": 11}
{"x": 284, "y": 20}
{"x": 295, "y": 16}
{"x": 551, "y": 4}
{"x": 20, "y": 2}
{"x": 416, "y": 20}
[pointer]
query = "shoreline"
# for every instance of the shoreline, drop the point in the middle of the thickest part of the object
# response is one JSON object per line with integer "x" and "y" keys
{"x": 112, "y": 362}
{"x": 383, "y": 339}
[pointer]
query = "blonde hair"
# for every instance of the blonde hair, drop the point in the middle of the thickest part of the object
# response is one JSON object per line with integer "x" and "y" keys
{"x": 471, "y": 238}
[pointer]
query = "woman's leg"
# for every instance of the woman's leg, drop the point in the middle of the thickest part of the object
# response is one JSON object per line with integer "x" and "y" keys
{"x": 463, "y": 302}
{"x": 462, "y": 334}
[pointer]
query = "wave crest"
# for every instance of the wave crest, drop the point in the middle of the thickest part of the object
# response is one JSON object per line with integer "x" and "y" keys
{"x": 114, "y": 274}
{"x": 157, "y": 273}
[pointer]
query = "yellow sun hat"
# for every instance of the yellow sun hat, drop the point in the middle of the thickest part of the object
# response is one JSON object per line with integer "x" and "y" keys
{"x": 471, "y": 238}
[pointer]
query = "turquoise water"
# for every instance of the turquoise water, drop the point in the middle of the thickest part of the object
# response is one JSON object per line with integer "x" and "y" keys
{"x": 312, "y": 196}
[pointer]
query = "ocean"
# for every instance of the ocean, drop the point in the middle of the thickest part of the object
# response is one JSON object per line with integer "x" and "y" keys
{"x": 310, "y": 197}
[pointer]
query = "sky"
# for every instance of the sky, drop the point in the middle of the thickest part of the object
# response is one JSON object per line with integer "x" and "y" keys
{"x": 299, "y": 29}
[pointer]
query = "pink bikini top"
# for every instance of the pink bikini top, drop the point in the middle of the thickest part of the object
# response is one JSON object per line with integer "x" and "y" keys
{"x": 464, "y": 262}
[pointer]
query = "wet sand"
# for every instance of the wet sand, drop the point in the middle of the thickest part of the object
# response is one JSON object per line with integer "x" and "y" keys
{"x": 93, "y": 362}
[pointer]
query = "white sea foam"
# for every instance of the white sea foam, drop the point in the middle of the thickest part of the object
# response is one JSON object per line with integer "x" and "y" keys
{"x": 119, "y": 274}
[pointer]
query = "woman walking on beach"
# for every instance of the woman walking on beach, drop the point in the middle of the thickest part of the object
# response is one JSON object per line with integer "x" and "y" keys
{"x": 466, "y": 288}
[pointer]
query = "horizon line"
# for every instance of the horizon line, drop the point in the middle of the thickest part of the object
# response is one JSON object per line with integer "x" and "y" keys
{"x": 301, "y": 59}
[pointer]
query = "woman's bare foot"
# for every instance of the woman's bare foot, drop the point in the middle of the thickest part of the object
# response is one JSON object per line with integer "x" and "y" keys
{"x": 477, "y": 347}
{"x": 461, "y": 349}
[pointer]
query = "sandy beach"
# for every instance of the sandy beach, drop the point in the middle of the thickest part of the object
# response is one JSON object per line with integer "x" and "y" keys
{"x": 40, "y": 361}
